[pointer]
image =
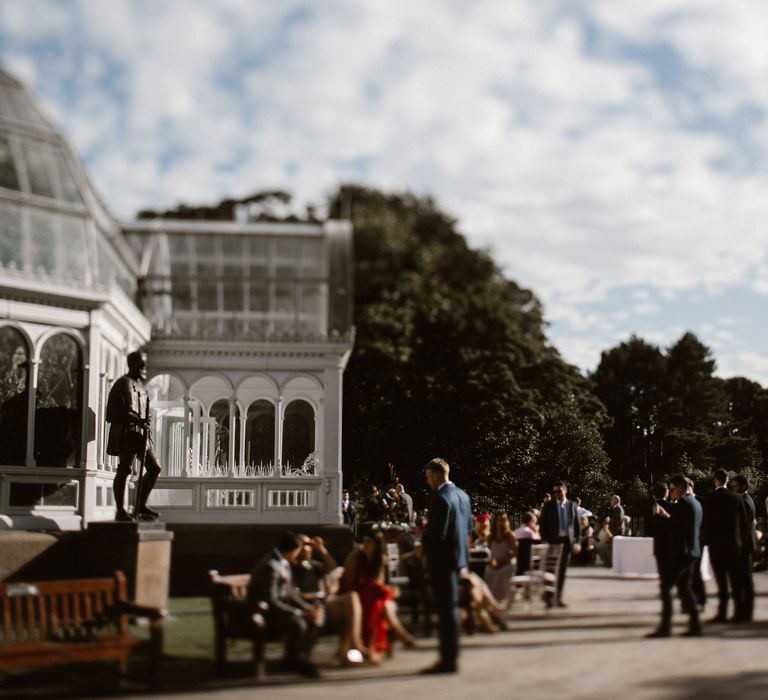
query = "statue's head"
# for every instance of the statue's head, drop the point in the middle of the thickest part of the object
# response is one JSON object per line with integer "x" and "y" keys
{"x": 137, "y": 365}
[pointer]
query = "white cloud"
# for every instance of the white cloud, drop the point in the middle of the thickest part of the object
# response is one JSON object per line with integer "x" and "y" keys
{"x": 564, "y": 153}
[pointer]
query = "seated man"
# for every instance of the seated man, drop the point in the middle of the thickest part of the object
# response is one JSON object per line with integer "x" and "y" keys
{"x": 316, "y": 576}
{"x": 288, "y": 614}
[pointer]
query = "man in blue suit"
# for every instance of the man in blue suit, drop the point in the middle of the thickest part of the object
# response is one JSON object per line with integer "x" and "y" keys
{"x": 684, "y": 552}
{"x": 445, "y": 541}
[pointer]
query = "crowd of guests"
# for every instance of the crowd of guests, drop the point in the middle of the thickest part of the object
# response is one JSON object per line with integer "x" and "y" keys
{"x": 308, "y": 592}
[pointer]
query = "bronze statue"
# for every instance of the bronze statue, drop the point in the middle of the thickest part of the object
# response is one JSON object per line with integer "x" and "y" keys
{"x": 130, "y": 438}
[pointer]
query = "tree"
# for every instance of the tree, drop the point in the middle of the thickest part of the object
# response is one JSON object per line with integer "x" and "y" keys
{"x": 451, "y": 359}
{"x": 631, "y": 382}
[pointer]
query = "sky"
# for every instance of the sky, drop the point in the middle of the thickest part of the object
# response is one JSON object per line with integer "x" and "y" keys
{"x": 612, "y": 156}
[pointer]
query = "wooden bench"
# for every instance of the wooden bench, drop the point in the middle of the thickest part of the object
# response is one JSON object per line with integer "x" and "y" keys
{"x": 235, "y": 617}
{"x": 76, "y": 621}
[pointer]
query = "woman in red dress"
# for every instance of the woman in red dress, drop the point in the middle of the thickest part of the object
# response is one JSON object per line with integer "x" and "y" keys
{"x": 364, "y": 572}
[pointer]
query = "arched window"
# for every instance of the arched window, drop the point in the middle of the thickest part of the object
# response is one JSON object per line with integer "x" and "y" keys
{"x": 298, "y": 433}
{"x": 14, "y": 399}
{"x": 220, "y": 412}
{"x": 260, "y": 434}
{"x": 58, "y": 403}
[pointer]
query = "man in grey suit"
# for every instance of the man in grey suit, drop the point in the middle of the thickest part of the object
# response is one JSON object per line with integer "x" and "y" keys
{"x": 288, "y": 613}
{"x": 559, "y": 524}
{"x": 446, "y": 545}
{"x": 617, "y": 516}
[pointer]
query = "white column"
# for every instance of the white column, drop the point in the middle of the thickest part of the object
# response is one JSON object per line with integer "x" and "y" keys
{"x": 331, "y": 459}
{"x": 34, "y": 367}
{"x": 92, "y": 393}
{"x": 186, "y": 441}
{"x": 279, "y": 437}
{"x": 232, "y": 435}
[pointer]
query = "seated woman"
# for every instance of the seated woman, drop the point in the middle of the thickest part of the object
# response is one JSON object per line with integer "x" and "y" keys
{"x": 316, "y": 576}
{"x": 501, "y": 567}
{"x": 488, "y": 612}
{"x": 364, "y": 573}
{"x": 605, "y": 543}
{"x": 588, "y": 553}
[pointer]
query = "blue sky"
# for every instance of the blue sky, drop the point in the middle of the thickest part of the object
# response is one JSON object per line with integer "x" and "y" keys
{"x": 612, "y": 155}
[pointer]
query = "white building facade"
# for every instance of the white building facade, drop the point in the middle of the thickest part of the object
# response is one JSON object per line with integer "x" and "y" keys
{"x": 247, "y": 327}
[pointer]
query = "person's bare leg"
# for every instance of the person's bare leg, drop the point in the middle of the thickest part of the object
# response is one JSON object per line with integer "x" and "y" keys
{"x": 402, "y": 634}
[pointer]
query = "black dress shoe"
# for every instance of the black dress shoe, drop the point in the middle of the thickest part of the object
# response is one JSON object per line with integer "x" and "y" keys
{"x": 718, "y": 620}
{"x": 561, "y": 604}
{"x": 738, "y": 620}
{"x": 148, "y": 515}
{"x": 440, "y": 667}
{"x": 657, "y": 634}
{"x": 123, "y": 516}
{"x": 691, "y": 633}
{"x": 307, "y": 669}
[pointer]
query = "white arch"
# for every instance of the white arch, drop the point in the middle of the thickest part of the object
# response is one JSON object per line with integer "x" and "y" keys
{"x": 29, "y": 344}
{"x": 45, "y": 337}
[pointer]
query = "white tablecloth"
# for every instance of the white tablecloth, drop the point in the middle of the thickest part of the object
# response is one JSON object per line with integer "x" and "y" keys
{"x": 633, "y": 556}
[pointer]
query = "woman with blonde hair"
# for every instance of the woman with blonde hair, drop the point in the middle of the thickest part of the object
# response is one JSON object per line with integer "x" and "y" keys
{"x": 501, "y": 567}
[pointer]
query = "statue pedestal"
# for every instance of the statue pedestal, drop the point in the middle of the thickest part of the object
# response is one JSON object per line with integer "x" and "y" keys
{"x": 142, "y": 551}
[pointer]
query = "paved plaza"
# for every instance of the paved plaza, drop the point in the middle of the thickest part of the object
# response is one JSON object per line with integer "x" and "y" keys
{"x": 593, "y": 649}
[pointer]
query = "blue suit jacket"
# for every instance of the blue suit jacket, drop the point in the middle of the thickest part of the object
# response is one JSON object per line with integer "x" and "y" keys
{"x": 685, "y": 528}
{"x": 448, "y": 527}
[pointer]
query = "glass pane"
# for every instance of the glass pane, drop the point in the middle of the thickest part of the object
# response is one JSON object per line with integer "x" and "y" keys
{"x": 39, "y": 168}
{"x": 8, "y": 177}
{"x": 205, "y": 247}
{"x": 312, "y": 258}
{"x": 178, "y": 245}
{"x": 298, "y": 433}
{"x": 207, "y": 296}
{"x": 69, "y": 191}
{"x": 260, "y": 435}
{"x": 14, "y": 373}
{"x": 287, "y": 257}
{"x": 182, "y": 295}
{"x": 74, "y": 244}
{"x": 57, "y": 409}
{"x": 233, "y": 296}
{"x": 285, "y": 298}
{"x": 42, "y": 249}
{"x": 10, "y": 236}
{"x": 258, "y": 299}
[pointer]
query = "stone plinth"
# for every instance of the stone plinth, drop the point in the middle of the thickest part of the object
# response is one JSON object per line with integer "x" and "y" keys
{"x": 141, "y": 550}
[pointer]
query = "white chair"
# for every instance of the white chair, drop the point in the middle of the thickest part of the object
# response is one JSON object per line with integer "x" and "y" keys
{"x": 541, "y": 576}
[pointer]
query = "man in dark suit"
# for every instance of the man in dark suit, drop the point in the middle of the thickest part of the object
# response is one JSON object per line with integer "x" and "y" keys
{"x": 724, "y": 530}
{"x": 746, "y": 588}
{"x": 348, "y": 510}
{"x": 288, "y": 614}
{"x": 446, "y": 545}
{"x": 559, "y": 524}
{"x": 658, "y": 526}
{"x": 684, "y": 552}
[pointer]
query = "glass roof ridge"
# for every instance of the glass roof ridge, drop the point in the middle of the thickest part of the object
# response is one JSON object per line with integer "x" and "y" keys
{"x": 224, "y": 227}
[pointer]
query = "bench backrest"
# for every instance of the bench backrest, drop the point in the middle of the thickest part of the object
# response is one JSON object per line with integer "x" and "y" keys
{"x": 75, "y": 609}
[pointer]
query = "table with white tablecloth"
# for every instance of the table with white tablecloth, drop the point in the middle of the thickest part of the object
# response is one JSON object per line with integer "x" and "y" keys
{"x": 633, "y": 556}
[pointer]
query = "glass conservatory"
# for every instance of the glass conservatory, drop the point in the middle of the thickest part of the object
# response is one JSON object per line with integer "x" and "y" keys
{"x": 247, "y": 327}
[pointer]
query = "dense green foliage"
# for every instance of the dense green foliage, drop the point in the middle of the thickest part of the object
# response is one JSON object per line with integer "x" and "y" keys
{"x": 451, "y": 360}
{"x": 669, "y": 412}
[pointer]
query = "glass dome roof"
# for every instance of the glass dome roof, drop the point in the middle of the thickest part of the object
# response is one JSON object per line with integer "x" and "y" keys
{"x": 53, "y": 226}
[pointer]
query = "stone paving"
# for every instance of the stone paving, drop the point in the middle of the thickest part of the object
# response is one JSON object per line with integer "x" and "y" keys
{"x": 595, "y": 648}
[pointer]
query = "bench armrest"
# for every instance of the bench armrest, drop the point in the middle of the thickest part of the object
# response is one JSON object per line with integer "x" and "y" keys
{"x": 128, "y": 607}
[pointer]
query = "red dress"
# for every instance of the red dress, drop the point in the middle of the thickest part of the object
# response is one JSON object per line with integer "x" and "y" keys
{"x": 373, "y": 597}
